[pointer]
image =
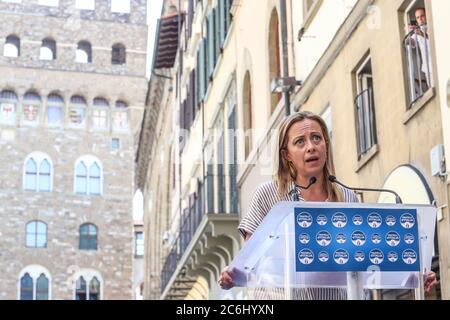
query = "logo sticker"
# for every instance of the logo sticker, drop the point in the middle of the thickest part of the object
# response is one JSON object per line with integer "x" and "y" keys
{"x": 407, "y": 221}
{"x": 390, "y": 221}
{"x": 306, "y": 256}
{"x": 392, "y": 256}
{"x": 359, "y": 256}
{"x": 358, "y": 238}
{"x": 322, "y": 220}
{"x": 323, "y": 256}
{"x": 323, "y": 238}
{"x": 374, "y": 220}
{"x": 393, "y": 238}
{"x": 340, "y": 256}
{"x": 409, "y": 256}
{"x": 357, "y": 220}
{"x": 341, "y": 238}
{"x": 339, "y": 220}
{"x": 304, "y": 238}
{"x": 376, "y": 238}
{"x": 376, "y": 256}
{"x": 304, "y": 220}
{"x": 409, "y": 238}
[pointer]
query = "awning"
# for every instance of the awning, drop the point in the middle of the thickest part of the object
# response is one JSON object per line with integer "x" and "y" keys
{"x": 167, "y": 41}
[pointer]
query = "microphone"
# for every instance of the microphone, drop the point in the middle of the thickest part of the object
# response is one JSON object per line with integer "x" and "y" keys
{"x": 398, "y": 200}
{"x": 312, "y": 180}
{"x": 294, "y": 192}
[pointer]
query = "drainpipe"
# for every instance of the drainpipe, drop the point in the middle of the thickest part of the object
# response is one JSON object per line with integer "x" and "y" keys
{"x": 285, "y": 71}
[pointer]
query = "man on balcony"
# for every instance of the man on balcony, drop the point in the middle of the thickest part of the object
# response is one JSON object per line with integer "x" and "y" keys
{"x": 421, "y": 39}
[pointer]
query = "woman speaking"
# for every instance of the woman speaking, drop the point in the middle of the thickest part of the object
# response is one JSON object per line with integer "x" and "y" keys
{"x": 303, "y": 168}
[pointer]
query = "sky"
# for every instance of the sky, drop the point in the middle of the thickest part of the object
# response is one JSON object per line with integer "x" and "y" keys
{"x": 153, "y": 14}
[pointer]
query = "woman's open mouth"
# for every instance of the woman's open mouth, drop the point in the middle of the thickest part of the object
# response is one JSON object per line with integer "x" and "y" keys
{"x": 312, "y": 160}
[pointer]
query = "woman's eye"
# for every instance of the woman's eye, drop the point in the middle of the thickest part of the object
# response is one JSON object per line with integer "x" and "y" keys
{"x": 300, "y": 141}
{"x": 317, "y": 138}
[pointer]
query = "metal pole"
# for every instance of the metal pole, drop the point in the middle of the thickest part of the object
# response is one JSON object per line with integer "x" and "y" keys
{"x": 286, "y": 94}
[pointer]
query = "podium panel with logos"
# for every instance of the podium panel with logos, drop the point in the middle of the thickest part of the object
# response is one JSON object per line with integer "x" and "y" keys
{"x": 338, "y": 245}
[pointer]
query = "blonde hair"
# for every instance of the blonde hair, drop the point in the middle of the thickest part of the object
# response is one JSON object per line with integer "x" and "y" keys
{"x": 286, "y": 174}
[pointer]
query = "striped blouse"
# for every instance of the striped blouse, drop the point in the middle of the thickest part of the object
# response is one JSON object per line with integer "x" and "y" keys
{"x": 265, "y": 198}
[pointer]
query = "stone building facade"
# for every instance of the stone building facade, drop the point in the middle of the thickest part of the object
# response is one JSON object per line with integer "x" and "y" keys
{"x": 72, "y": 91}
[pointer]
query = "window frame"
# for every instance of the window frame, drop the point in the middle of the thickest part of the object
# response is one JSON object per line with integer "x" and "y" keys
{"x": 35, "y": 271}
{"x": 50, "y": 44}
{"x": 38, "y": 157}
{"x": 88, "y": 275}
{"x": 362, "y": 87}
{"x": 136, "y": 244}
{"x": 89, "y": 236}
{"x": 35, "y": 234}
{"x": 31, "y": 102}
{"x": 85, "y": 47}
{"x": 121, "y": 54}
{"x": 101, "y": 104}
{"x": 14, "y": 41}
{"x": 9, "y": 101}
{"x": 88, "y": 161}
{"x": 53, "y": 104}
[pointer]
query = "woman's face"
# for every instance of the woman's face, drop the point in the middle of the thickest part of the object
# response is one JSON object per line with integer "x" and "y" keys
{"x": 307, "y": 149}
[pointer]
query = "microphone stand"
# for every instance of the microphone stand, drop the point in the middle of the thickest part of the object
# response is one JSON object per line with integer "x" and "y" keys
{"x": 398, "y": 200}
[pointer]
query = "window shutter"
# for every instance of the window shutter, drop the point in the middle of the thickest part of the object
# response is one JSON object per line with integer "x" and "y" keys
{"x": 210, "y": 188}
{"x": 211, "y": 44}
{"x": 192, "y": 90}
{"x": 190, "y": 17}
{"x": 201, "y": 65}
{"x": 217, "y": 42}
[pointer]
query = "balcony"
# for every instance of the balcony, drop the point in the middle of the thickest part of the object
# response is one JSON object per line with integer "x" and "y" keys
{"x": 418, "y": 65}
{"x": 206, "y": 243}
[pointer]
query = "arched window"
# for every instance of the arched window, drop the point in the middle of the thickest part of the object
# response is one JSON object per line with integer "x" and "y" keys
{"x": 118, "y": 55}
{"x": 42, "y": 287}
{"x": 12, "y": 47}
{"x": 88, "y": 285}
{"x": 84, "y": 52}
{"x": 8, "y": 107}
{"x": 31, "y": 107}
{"x": 274, "y": 57}
{"x": 35, "y": 283}
{"x": 55, "y": 107}
{"x": 94, "y": 289}
{"x": 88, "y": 237}
{"x": 248, "y": 111}
{"x": 36, "y": 234}
{"x": 77, "y": 112}
{"x": 100, "y": 113}
{"x": 48, "y": 49}
{"x": 80, "y": 290}
{"x": 26, "y": 287}
{"x": 38, "y": 173}
{"x": 88, "y": 176}
{"x": 121, "y": 116}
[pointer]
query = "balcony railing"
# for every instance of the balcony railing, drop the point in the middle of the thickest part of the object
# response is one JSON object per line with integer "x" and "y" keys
{"x": 366, "y": 125}
{"x": 418, "y": 63}
{"x": 190, "y": 222}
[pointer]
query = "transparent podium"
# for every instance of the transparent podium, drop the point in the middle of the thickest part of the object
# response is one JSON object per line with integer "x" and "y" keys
{"x": 351, "y": 246}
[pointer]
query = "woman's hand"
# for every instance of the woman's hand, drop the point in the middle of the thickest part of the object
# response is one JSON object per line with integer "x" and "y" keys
{"x": 226, "y": 279}
{"x": 430, "y": 281}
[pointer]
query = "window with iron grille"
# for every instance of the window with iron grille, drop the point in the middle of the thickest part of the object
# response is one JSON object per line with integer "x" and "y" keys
{"x": 365, "y": 108}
